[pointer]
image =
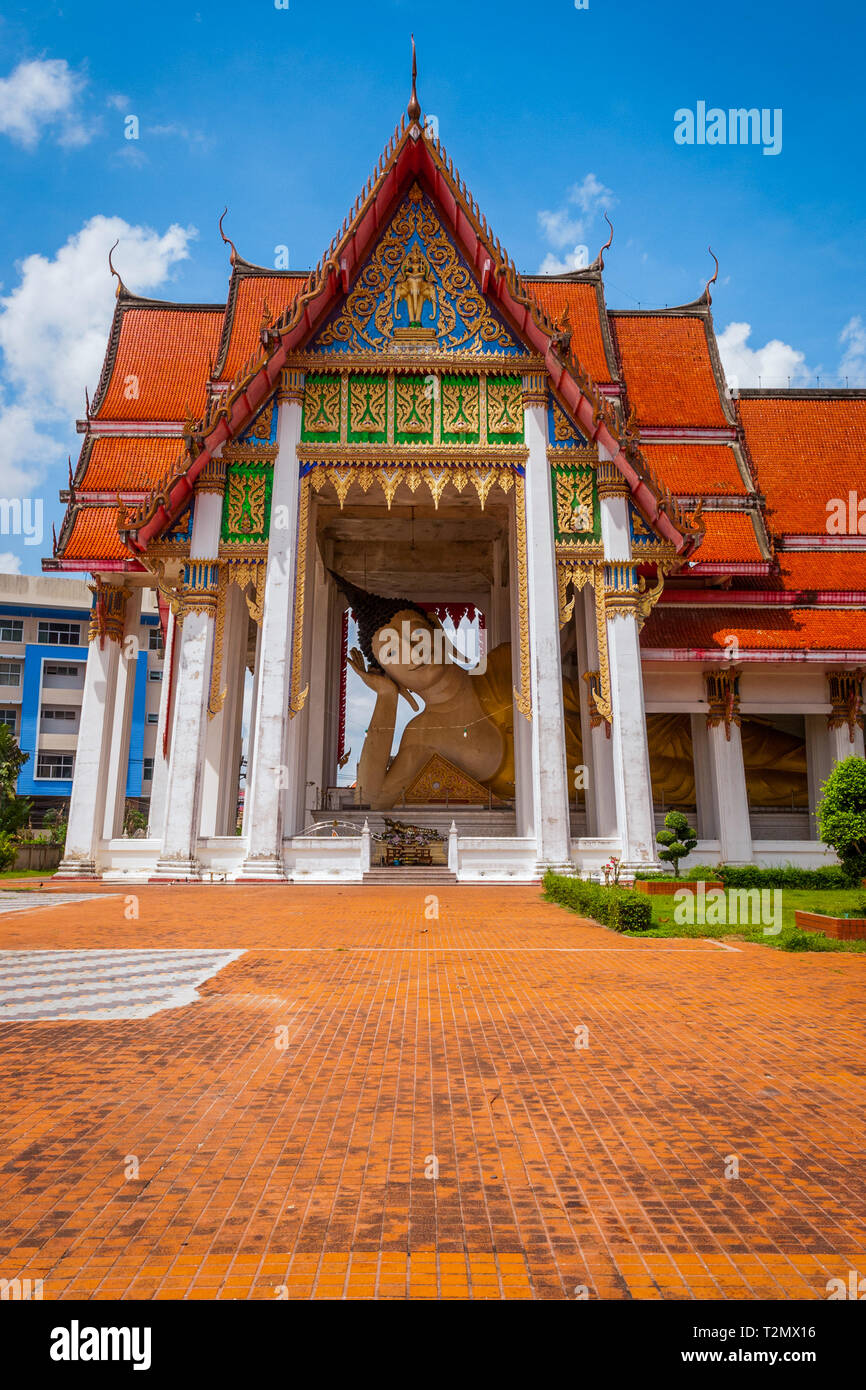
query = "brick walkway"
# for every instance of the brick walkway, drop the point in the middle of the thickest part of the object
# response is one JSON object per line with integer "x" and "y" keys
{"x": 280, "y": 1137}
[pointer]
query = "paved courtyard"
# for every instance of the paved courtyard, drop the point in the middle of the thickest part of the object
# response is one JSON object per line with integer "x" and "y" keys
{"x": 266, "y": 1092}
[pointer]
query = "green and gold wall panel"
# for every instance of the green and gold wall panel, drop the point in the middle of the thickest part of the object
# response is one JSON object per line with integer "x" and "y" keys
{"x": 247, "y": 502}
{"x": 368, "y": 409}
{"x": 576, "y": 515}
{"x": 321, "y": 417}
{"x": 505, "y": 410}
{"x": 460, "y": 403}
{"x": 413, "y": 409}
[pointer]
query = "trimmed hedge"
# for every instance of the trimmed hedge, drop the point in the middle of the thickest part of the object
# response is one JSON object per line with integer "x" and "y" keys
{"x": 751, "y": 876}
{"x": 619, "y": 908}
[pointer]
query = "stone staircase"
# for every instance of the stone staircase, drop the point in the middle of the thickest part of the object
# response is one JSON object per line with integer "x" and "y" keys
{"x": 411, "y": 875}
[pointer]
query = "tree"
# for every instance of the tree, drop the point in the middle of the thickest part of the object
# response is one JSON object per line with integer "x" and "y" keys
{"x": 841, "y": 816}
{"x": 678, "y": 838}
{"x": 14, "y": 809}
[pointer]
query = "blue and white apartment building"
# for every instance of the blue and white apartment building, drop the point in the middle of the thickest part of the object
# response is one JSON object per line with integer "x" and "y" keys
{"x": 44, "y": 623}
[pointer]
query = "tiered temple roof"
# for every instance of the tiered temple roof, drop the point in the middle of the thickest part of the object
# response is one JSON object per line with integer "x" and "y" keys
{"x": 764, "y": 465}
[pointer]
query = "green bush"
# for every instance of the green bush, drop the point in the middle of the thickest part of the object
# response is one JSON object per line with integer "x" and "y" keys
{"x": 841, "y": 816}
{"x": 7, "y": 852}
{"x": 789, "y": 876}
{"x": 619, "y": 908}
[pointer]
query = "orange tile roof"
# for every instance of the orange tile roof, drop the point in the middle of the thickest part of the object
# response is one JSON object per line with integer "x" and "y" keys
{"x": 730, "y": 538}
{"x": 806, "y": 451}
{"x": 252, "y": 291}
{"x": 696, "y": 469}
{"x": 583, "y": 313}
{"x": 94, "y": 536}
{"x": 167, "y": 352}
{"x": 825, "y": 570}
{"x": 132, "y": 465}
{"x": 795, "y": 629}
{"x": 667, "y": 369}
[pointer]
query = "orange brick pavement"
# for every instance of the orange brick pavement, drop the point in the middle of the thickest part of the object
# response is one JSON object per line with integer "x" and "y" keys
{"x": 300, "y": 1171}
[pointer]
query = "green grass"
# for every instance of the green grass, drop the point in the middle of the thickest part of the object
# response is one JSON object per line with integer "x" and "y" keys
{"x": 27, "y": 873}
{"x": 834, "y": 902}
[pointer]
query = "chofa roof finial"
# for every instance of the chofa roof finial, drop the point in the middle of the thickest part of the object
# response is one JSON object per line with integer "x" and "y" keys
{"x": 227, "y": 240}
{"x": 713, "y": 278}
{"x": 121, "y": 288}
{"x": 413, "y": 110}
{"x": 600, "y": 256}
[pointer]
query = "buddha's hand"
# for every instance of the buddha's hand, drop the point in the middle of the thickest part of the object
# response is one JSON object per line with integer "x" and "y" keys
{"x": 378, "y": 681}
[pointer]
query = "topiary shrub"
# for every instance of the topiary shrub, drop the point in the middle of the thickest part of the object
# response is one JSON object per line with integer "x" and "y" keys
{"x": 841, "y": 816}
{"x": 678, "y": 839}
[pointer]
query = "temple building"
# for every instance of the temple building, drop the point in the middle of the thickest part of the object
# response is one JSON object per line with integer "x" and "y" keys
{"x": 664, "y": 583}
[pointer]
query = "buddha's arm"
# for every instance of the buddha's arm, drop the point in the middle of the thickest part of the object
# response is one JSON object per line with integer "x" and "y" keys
{"x": 373, "y": 762}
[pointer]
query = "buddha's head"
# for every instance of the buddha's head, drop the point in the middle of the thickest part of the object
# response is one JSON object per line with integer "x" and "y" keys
{"x": 399, "y": 639}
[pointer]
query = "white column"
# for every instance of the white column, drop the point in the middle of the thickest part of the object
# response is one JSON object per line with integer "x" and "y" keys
{"x": 598, "y": 755}
{"x": 321, "y": 694}
{"x": 730, "y": 798}
{"x": 222, "y": 742}
{"x": 263, "y": 815}
{"x": 524, "y": 807}
{"x": 630, "y": 750}
{"x": 192, "y": 687}
{"x": 841, "y": 746}
{"x": 705, "y": 811}
{"x": 550, "y": 785}
{"x": 121, "y": 720}
{"x": 87, "y": 802}
{"x": 158, "y": 787}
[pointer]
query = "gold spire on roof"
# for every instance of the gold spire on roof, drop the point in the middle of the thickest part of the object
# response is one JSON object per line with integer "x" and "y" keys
{"x": 227, "y": 240}
{"x": 121, "y": 288}
{"x": 713, "y": 277}
{"x": 413, "y": 110}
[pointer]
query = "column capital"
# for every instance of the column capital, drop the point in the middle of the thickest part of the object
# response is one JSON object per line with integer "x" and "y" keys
{"x": 609, "y": 481}
{"x": 200, "y": 588}
{"x": 291, "y": 387}
{"x": 722, "y": 685}
{"x": 212, "y": 477}
{"x": 846, "y": 700}
{"x": 534, "y": 389}
{"x": 108, "y": 613}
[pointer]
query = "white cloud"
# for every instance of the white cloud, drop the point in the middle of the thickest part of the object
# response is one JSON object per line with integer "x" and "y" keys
{"x": 562, "y": 228}
{"x": 776, "y": 364}
{"x": 53, "y": 332}
{"x": 9, "y": 563}
{"x": 40, "y": 95}
{"x": 853, "y": 363}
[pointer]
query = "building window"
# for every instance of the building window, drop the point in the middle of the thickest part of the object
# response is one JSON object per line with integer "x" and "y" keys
{"x": 60, "y": 634}
{"x": 153, "y": 719}
{"x": 59, "y": 677}
{"x": 11, "y": 629}
{"x": 154, "y": 639}
{"x": 10, "y": 672}
{"x": 58, "y": 721}
{"x": 147, "y": 774}
{"x": 154, "y": 675}
{"x": 55, "y": 765}
{"x": 7, "y": 717}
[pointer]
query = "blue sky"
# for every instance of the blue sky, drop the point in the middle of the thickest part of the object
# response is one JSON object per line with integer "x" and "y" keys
{"x": 552, "y": 114}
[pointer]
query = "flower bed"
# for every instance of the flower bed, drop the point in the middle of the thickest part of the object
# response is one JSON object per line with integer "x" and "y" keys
{"x": 656, "y": 886}
{"x": 842, "y": 928}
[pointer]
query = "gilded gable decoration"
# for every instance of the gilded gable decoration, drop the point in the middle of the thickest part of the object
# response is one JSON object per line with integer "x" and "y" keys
{"x": 416, "y": 289}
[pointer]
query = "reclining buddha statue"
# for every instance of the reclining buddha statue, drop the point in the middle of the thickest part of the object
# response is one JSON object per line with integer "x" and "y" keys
{"x": 466, "y": 717}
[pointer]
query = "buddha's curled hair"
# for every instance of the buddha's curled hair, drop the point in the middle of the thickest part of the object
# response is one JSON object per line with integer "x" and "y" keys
{"x": 373, "y": 611}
